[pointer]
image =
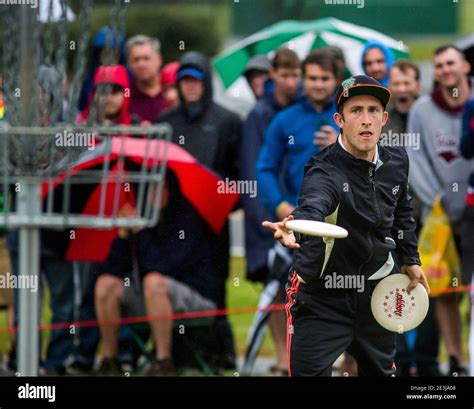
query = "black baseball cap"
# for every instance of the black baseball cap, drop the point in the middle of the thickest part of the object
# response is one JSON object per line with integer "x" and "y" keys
{"x": 361, "y": 85}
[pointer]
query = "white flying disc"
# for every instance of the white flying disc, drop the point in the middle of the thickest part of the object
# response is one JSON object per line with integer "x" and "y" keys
{"x": 395, "y": 309}
{"x": 314, "y": 228}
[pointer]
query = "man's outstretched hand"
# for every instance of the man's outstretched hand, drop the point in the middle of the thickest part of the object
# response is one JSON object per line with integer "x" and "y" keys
{"x": 282, "y": 234}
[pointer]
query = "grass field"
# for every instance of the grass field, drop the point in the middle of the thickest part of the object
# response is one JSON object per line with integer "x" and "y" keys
{"x": 243, "y": 293}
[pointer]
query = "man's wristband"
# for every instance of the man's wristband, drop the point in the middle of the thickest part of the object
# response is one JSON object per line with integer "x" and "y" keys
{"x": 410, "y": 261}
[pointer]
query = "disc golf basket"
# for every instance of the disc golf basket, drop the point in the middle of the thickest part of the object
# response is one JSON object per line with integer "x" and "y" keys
{"x": 42, "y": 169}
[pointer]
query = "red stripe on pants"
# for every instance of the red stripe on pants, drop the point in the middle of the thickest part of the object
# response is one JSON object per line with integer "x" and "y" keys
{"x": 295, "y": 283}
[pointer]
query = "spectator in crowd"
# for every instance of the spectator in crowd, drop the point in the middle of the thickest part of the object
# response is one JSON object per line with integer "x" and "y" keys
{"x": 70, "y": 283}
{"x": 437, "y": 168}
{"x": 256, "y": 74}
{"x": 169, "y": 82}
{"x": 211, "y": 134}
{"x": 144, "y": 60}
{"x": 109, "y": 106}
{"x": 377, "y": 60}
{"x": 467, "y": 244}
{"x": 6, "y": 294}
{"x": 338, "y": 55}
{"x": 64, "y": 348}
{"x": 108, "y": 47}
{"x": 405, "y": 86}
{"x": 296, "y": 133}
{"x": 285, "y": 72}
{"x": 420, "y": 346}
{"x": 177, "y": 276}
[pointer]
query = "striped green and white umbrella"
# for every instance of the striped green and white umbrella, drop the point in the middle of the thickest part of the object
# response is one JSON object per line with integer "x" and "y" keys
{"x": 302, "y": 37}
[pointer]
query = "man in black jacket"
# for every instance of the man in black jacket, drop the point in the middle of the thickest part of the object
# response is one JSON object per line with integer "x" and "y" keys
{"x": 363, "y": 187}
{"x": 211, "y": 134}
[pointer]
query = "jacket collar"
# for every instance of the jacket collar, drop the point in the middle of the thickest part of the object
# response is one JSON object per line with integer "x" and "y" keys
{"x": 381, "y": 155}
{"x": 376, "y": 156}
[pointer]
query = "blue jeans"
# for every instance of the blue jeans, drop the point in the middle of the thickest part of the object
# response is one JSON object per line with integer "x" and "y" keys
{"x": 59, "y": 274}
{"x": 88, "y": 336}
{"x": 64, "y": 343}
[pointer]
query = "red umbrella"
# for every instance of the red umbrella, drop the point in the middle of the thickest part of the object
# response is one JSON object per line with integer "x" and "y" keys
{"x": 198, "y": 185}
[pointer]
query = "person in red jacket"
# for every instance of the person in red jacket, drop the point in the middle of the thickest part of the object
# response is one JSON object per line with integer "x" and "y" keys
{"x": 110, "y": 106}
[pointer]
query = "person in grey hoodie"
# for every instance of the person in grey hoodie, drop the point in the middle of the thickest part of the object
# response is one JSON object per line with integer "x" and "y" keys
{"x": 419, "y": 347}
{"x": 438, "y": 169}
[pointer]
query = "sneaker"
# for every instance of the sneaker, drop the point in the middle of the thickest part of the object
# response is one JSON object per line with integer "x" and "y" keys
{"x": 77, "y": 368}
{"x": 161, "y": 367}
{"x": 109, "y": 367}
{"x": 455, "y": 369}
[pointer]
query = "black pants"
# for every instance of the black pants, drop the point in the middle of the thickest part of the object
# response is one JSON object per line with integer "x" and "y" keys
{"x": 323, "y": 323}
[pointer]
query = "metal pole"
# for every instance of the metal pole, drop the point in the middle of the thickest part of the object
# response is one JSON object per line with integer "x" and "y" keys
{"x": 28, "y": 314}
{"x": 29, "y": 204}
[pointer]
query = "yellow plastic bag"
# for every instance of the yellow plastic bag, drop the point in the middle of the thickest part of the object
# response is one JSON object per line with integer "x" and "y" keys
{"x": 438, "y": 253}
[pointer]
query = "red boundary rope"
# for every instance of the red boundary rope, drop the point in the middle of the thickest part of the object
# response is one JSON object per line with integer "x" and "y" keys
{"x": 189, "y": 315}
{"x": 149, "y": 318}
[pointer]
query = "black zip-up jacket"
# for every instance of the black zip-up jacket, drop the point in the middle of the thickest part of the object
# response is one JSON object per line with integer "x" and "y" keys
{"x": 370, "y": 201}
{"x": 211, "y": 134}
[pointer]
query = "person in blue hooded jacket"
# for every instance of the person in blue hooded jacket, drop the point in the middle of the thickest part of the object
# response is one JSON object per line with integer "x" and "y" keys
{"x": 108, "y": 47}
{"x": 377, "y": 59}
{"x": 281, "y": 90}
{"x": 286, "y": 76}
{"x": 296, "y": 133}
